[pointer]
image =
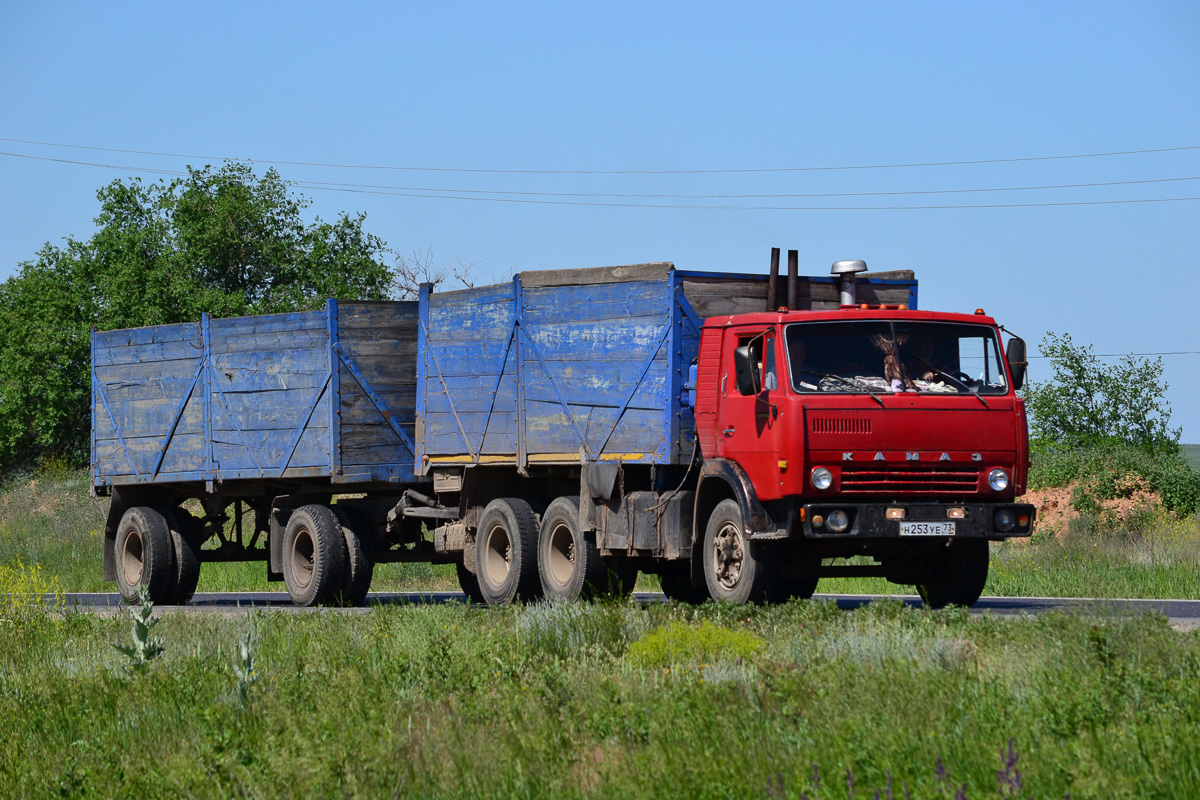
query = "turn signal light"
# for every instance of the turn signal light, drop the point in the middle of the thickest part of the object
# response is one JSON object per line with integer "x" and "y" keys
{"x": 956, "y": 513}
{"x": 817, "y": 520}
{"x": 895, "y": 513}
{"x": 1023, "y": 520}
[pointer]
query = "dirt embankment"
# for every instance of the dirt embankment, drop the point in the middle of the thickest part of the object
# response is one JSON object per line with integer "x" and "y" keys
{"x": 1055, "y": 512}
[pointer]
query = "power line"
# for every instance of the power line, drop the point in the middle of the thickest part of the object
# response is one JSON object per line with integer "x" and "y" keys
{"x": 619, "y": 171}
{"x": 441, "y": 194}
{"x": 316, "y": 184}
{"x": 1123, "y": 355}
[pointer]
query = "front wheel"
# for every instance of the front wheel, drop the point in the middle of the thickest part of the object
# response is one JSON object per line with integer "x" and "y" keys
{"x": 506, "y": 552}
{"x": 736, "y": 569}
{"x": 957, "y": 574}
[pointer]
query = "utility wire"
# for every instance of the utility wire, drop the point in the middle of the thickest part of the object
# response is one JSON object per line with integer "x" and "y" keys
{"x": 1123, "y": 355}
{"x": 618, "y": 171}
{"x": 466, "y": 194}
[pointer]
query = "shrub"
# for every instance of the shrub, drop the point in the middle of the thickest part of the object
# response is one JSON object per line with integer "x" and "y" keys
{"x": 681, "y": 643}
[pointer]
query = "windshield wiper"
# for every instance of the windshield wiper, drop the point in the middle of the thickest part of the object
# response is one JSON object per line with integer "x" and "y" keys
{"x": 852, "y": 382}
{"x": 948, "y": 376}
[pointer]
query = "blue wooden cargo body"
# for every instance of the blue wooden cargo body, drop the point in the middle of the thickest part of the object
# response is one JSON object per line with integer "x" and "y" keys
{"x": 574, "y": 366}
{"x": 325, "y": 395}
{"x": 556, "y": 367}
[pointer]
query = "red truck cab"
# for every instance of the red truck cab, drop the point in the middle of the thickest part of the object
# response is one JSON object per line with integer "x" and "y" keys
{"x": 883, "y": 432}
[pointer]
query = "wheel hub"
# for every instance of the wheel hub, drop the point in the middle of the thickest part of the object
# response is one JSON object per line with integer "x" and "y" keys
{"x": 729, "y": 552}
{"x": 132, "y": 559}
{"x": 560, "y": 561}
{"x": 497, "y": 557}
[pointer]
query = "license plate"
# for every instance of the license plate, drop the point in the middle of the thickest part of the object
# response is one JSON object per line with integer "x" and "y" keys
{"x": 926, "y": 528}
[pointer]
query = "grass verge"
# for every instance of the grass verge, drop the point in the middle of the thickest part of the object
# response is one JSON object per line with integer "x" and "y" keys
{"x": 602, "y": 700}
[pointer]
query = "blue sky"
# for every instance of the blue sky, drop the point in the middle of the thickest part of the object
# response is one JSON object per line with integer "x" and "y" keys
{"x": 659, "y": 87}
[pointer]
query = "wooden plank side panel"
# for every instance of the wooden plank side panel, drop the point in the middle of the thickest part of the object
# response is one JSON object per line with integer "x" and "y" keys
{"x": 719, "y": 296}
{"x": 563, "y": 305}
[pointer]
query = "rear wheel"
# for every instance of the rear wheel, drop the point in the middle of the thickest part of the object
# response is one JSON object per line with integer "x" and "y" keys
{"x": 185, "y": 542}
{"x": 957, "y": 574}
{"x": 360, "y": 565}
{"x": 506, "y": 552}
{"x": 145, "y": 555}
{"x": 314, "y": 555}
{"x": 736, "y": 569}
{"x": 569, "y": 564}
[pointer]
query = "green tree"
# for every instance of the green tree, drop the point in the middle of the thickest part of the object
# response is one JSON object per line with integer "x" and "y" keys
{"x": 1086, "y": 403}
{"x": 220, "y": 240}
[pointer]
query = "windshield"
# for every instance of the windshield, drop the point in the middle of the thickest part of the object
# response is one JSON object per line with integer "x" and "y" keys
{"x": 925, "y": 357}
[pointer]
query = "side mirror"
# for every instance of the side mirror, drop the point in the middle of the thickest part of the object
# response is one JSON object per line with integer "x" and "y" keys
{"x": 747, "y": 378}
{"x": 1015, "y": 355}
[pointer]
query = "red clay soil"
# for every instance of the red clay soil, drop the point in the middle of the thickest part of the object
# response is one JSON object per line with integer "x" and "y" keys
{"x": 1054, "y": 511}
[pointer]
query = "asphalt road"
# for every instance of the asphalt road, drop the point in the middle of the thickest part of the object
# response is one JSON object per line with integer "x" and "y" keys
{"x": 1182, "y": 614}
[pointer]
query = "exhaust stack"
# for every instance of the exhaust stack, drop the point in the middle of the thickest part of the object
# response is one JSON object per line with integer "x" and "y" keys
{"x": 846, "y": 271}
{"x": 793, "y": 279}
{"x": 773, "y": 285}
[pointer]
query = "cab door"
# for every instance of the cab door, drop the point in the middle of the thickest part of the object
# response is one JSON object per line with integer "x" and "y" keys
{"x": 748, "y": 424}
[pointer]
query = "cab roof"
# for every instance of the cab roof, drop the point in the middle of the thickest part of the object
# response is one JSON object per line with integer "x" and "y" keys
{"x": 849, "y": 315}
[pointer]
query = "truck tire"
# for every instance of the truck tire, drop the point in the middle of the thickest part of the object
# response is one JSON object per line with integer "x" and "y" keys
{"x": 569, "y": 563}
{"x": 360, "y": 561}
{"x": 736, "y": 569}
{"x": 314, "y": 555}
{"x": 506, "y": 552}
{"x": 468, "y": 583}
{"x": 957, "y": 575}
{"x": 145, "y": 555}
{"x": 677, "y": 585}
{"x": 185, "y": 541}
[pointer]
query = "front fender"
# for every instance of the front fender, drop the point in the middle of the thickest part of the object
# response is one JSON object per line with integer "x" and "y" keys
{"x": 720, "y": 478}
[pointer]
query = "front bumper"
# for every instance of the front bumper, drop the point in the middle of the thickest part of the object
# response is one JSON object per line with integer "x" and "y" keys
{"x": 871, "y": 520}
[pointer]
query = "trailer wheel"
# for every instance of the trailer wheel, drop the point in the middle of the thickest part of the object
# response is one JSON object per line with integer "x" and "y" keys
{"x": 185, "y": 540}
{"x": 957, "y": 575}
{"x": 506, "y": 552}
{"x": 569, "y": 563}
{"x": 736, "y": 569}
{"x": 360, "y": 562}
{"x": 677, "y": 585}
{"x": 314, "y": 555}
{"x": 468, "y": 582}
{"x": 145, "y": 555}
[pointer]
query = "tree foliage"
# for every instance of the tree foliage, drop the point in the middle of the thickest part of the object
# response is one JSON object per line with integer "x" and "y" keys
{"x": 220, "y": 240}
{"x": 1086, "y": 403}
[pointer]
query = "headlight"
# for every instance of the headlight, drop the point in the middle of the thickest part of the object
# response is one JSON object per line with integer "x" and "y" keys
{"x": 998, "y": 480}
{"x": 821, "y": 479}
{"x": 1005, "y": 520}
{"x": 838, "y": 521}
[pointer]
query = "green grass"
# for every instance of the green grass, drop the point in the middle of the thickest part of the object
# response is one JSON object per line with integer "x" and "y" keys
{"x": 550, "y": 701}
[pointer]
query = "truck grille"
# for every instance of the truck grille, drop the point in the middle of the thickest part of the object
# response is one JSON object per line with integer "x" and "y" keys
{"x": 841, "y": 425}
{"x": 908, "y": 478}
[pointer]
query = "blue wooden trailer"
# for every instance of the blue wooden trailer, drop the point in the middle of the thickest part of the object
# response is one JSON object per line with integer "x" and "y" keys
{"x": 544, "y": 420}
{"x": 248, "y": 415}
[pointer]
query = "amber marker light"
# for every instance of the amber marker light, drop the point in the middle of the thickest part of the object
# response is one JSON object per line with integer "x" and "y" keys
{"x": 895, "y": 513}
{"x": 1023, "y": 520}
{"x": 956, "y": 513}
